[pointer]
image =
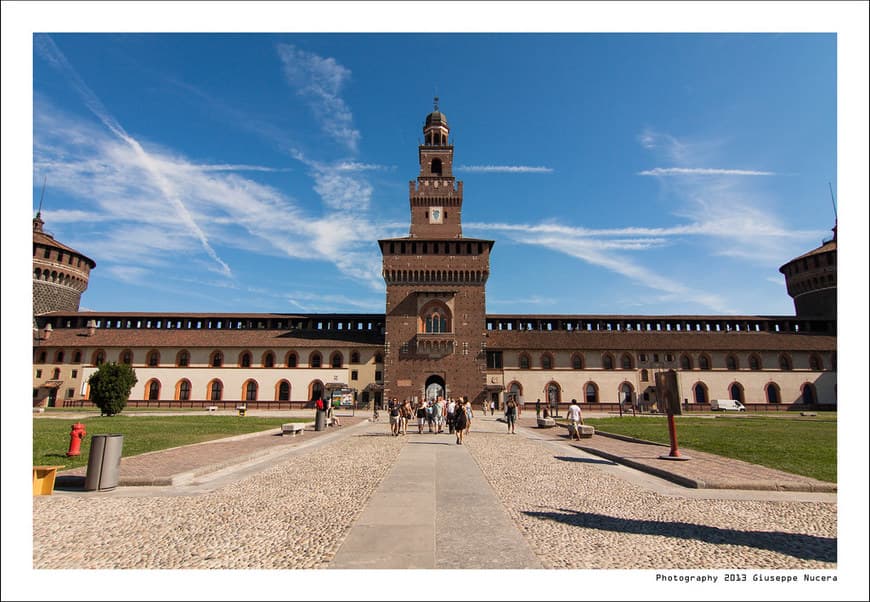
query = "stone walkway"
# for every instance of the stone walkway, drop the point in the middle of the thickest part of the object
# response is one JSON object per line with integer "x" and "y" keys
{"x": 357, "y": 497}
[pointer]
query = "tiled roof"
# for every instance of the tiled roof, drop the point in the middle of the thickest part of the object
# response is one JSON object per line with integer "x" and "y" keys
{"x": 46, "y": 239}
{"x": 218, "y": 338}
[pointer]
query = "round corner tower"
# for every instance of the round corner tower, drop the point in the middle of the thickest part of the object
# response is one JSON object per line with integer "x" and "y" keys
{"x": 60, "y": 274}
{"x": 811, "y": 280}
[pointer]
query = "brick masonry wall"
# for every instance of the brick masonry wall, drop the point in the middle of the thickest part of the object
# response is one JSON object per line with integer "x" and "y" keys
{"x": 48, "y": 296}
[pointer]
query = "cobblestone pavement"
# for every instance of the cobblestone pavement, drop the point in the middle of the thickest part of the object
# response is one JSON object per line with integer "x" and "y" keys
{"x": 577, "y": 515}
{"x": 576, "y": 511}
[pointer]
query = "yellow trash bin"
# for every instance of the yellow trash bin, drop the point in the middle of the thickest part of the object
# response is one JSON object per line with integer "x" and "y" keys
{"x": 43, "y": 479}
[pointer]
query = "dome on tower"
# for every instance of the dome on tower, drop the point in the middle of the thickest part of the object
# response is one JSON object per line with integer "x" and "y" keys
{"x": 436, "y": 117}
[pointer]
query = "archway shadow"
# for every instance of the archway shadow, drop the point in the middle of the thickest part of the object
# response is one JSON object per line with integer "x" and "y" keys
{"x": 798, "y": 545}
{"x": 586, "y": 460}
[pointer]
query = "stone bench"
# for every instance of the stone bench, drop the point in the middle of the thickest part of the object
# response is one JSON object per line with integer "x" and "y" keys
{"x": 545, "y": 423}
{"x": 211, "y": 409}
{"x": 586, "y": 430}
{"x": 292, "y": 428}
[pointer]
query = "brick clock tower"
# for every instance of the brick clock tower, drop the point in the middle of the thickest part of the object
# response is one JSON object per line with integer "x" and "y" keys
{"x": 436, "y": 286}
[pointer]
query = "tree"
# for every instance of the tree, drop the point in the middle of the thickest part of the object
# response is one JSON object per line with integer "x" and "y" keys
{"x": 111, "y": 385}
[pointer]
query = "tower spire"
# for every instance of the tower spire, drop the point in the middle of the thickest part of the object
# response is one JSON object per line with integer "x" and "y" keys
{"x": 37, "y": 221}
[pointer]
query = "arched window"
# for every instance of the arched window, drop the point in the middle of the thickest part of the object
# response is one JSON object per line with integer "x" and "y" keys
{"x": 700, "y": 391}
{"x": 771, "y": 391}
{"x": 292, "y": 360}
{"x": 736, "y": 390}
{"x": 269, "y": 360}
{"x": 591, "y": 390}
{"x": 126, "y": 357}
{"x": 685, "y": 362}
{"x": 704, "y": 362}
{"x": 99, "y": 358}
{"x": 436, "y": 167}
{"x": 354, "y": 357}
{"x": 183, "y": 358}
{"x": 784, "y": 362}
{"x": 77, "y": 357}
{"x": 644, "y": 375}
{"x": 154, "y": 390}
{"x": 335, "y": 360}
{"x": 283, "y": 391}
{"x": 816, "y": 363}
{"x": 731, "y": 362}
{"x": 607, "y": 361}
{"x": 251, "y": 390}
{"x": 436, "y": 322}
{"x": 524, "y": 361}
{"x": 577, "y": 361}
{"x": 754, "y": 362}
{"x": 245, "y": 360}
{"x": 627, "y": 361}
{"x": 808, "y": 394}
{"x": 547, "y": 361}
{"x": 58, "y": 357}
{"x": 56, "y": 374}
{"x": 217, "y": 359}
{"x": 216, "y": 390}
{"x": 315, "y": 360}
{"x": 183, "y": 390}
{"x": 153, "y": 358}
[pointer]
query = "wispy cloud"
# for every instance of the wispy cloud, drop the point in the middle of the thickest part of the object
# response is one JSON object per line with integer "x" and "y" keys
{"x": 357, "y": 167}
{"x": 702, "y": 171}
{"x": 228, "y": 167}
{"x": 504, "y": 169}
{"x": 46, "y": 47}
{"x": 319, "y": 81}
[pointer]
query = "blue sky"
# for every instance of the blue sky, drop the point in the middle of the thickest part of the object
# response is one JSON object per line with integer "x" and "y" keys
{"x": 617, "y": 173}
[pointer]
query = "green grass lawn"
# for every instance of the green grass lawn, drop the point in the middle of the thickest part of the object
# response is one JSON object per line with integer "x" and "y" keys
{"x": 799, "y": 445}
{"x": 141, "y": 433}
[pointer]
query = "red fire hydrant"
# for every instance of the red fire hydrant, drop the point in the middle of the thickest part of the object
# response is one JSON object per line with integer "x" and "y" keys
{"x": 76, "y": 434}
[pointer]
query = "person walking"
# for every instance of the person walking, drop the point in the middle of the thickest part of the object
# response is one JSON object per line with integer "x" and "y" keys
{"x": 451, "y": 413}
{"x": 395, "y": 418}
{"x": 493, "y": 407}
{"x": 538, "y": 408}
{"x": 421, "y": 416}
{"x": 460, "y": 421}
{"x": 438, "y": 414}
{"x": 407, "y": 413}
{"x": 576, "y": 420}
{"x": 510, "y": 414}
{"x": 469, "y": 414}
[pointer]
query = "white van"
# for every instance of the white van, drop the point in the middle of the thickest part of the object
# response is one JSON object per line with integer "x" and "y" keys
{"x": 727, "y": 404}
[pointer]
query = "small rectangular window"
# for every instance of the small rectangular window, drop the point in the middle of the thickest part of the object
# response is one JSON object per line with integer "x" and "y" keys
{"x": 75, "y": 374}
{"x": 38, "y": 373}
{"x": 70, "y": 393}
{"x": 354, "y": 375}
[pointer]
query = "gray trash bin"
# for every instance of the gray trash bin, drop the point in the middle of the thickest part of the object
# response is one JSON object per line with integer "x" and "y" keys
{"x": 104, "y": 462}
{"x": 320, "y": 420}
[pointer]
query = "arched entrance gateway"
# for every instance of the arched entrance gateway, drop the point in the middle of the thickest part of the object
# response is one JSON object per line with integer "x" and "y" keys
{"x": 435, "y": 388}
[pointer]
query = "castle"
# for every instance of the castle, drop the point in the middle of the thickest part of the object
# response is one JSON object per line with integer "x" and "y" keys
{"x": 435, "y": 337}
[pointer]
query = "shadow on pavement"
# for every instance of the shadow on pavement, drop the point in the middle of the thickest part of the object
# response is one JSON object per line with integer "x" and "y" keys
{"x": 798, "y": 545}
{"x": 586, "y": 460}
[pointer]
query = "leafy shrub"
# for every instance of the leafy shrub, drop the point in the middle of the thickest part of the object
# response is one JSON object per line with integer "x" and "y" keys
{"x": 111, "y": 385}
